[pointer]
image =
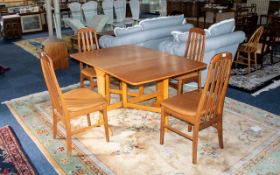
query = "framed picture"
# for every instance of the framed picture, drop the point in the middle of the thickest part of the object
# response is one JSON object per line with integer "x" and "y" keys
{"x": 31, "y": 23}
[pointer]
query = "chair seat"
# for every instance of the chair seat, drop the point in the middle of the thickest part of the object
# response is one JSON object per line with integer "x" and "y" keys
{"x": 184, "y": 104}
{"x": 82, "y": 99}
{"x": 89, "y": 71}
{"x": 244, "y": 47}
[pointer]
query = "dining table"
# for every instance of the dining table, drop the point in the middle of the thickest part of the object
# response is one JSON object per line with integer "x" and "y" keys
{"x": 136, "y": 66}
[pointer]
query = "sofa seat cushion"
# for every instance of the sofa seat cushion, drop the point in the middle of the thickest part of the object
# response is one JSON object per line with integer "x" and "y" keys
{"x": 221, "y": 28}
{"x": 159, "y": 22}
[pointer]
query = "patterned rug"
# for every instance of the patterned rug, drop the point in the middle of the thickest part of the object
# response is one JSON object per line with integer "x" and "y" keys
{"x": 34, "y": 46}
{"x": 251, "y": 139}
{"x": 258, "y": 78}
{"x": 12, "y": 158}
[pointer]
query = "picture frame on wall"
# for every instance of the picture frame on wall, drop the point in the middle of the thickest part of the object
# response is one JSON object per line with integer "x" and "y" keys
{"x": 31, "y": 23}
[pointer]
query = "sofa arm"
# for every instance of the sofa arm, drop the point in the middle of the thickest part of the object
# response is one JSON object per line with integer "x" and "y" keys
{"x": 106, "y": 41}
{"x": 214, "y": 43}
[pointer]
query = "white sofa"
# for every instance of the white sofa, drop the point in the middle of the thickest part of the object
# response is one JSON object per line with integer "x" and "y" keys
{"x": 149, "y": 33}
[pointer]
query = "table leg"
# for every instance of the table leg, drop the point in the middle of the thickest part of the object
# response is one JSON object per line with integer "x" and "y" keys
{"x": 101, "y": 88}
{"x": 124, "y": 94}
{"x": 101, "y": 85}
{"x": 107, "y": 90}
{"x": 162, "y": 90}
{"x": 100, "y": 77}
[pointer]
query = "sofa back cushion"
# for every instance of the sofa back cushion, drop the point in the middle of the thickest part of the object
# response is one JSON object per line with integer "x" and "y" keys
{"x": 164, "y": 21}
{"x": 118, "y": 31}
{"x": 179, "y": 36}
{"x": 223, "y": 27}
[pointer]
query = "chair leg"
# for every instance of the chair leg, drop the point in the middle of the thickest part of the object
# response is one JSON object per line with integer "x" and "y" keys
{"x": 82, "y": 80}
{"x": 162, "y": 124}
{"x": 237, "y": 58}
{"x": 105, "y": 120}
{"x": 249, "y": 62}
{"x": 220, "y": 134}
{"x": 54, "y": 125}
{"x": 68, "y": 138}
{"x": 92, "y": 83}
{"x": 194, "y": 144}
{"x": 255, "y": 59}
{"x": 199, "y": 81}
{"x": 180, "y": 87}
{"x": 88, "y": 120}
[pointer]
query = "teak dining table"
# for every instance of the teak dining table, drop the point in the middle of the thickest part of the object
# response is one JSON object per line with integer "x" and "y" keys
{"x": 137, "y": 66}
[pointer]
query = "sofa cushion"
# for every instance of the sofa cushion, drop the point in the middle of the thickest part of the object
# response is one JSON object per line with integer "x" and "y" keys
{"x": 179, "y": 36}
{"x": 162, "y": 22}
{"x": 223, "y": 27}
{"x": 124, "y": 31}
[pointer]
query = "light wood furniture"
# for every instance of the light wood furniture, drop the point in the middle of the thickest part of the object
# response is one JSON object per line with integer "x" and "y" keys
{"x": 251, "y": 47}
{"x": 87, "y": 42}
{"x": 74, "y": 38}
{"x": 200, "y": 109}
{"x": 57, "y": 50}
{"x": 136, "y": 66}
{"x": 72, "y": 104}
{"x": 194, "y": 51}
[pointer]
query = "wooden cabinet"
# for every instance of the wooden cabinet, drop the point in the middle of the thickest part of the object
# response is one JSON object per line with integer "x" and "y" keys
{"x": 12, "y": 26}
{"x": 190, "y": 8}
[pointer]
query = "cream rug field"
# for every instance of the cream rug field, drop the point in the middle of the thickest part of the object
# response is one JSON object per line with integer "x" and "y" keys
{"x": 35, "y": 46}
{"x": 251, "y": 139}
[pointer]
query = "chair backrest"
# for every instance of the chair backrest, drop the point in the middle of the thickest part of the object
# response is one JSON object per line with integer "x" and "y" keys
{"x": 255, "y": 38}
{"x": 74, "y": 24}
{"x": 212, "y": 99}
{"x": 75, "y": 9}
{"x": 89, "y": 10}
{"x": 195, "y": 44}
{"x": 108, "y": 9}
{"x": 52, "y": 85}
{"x": 87, "y": 40}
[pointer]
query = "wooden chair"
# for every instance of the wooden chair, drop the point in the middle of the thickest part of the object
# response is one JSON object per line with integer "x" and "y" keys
{"x": 203, "y": 108}
{"x": 87, "y": 42}
{"x": 72, "y": 104}
{"x": 251, "y": 47}
{"x": 194, "y": 51}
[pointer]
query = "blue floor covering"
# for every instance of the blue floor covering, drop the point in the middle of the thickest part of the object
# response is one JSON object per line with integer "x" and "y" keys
{"x": 25, "y": 78}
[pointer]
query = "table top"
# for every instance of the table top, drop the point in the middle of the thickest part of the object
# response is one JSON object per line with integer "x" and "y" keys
{"x": 137, "y": 65}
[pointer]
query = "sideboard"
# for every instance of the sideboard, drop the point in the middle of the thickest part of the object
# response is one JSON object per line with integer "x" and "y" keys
{"x": 190, "y": 8}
